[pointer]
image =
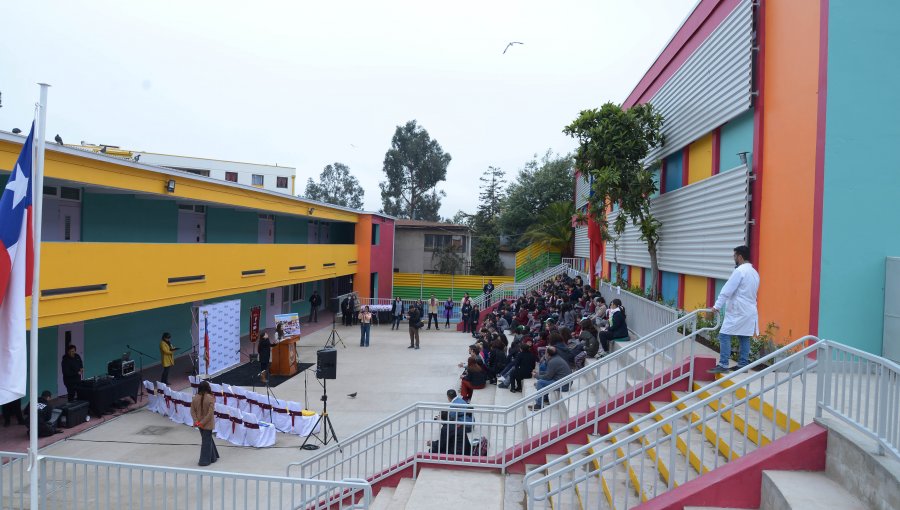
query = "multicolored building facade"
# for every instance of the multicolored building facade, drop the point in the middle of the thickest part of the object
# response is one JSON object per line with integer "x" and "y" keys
{"x": 804, "y": 91}
{"x": 128, "y": 249}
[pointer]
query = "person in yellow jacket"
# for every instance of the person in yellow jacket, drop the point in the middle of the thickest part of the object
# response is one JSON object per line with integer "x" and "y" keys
{"x": 167, "y": 355}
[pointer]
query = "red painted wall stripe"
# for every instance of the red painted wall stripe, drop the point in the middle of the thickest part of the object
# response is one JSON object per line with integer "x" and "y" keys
{"x": 716, "y": 148}
{"x": 704, "y": 19}
{"x": 758, "y": 143}
{"x": 685, "y": 165}
{"x": 662, "y": 177}
{"x": 680, "y": 302}
{"x": 710, "y": 292}
{"x": 819, "y": 186}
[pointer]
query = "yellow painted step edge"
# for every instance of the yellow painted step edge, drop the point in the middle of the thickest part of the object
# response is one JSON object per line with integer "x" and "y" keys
{"x": 651, "y": 452}
{"x": 740, "y": 424}
{"x": 710, "y": 434}
{"x": 768, "y": 411}
{"x": 631, "y": 473}
{"x": 682, "y": 446}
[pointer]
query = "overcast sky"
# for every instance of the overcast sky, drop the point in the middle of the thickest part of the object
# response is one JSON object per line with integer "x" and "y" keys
{"x": 305, "y": 84}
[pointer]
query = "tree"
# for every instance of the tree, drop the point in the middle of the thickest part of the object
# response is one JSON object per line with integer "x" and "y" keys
{"x": 448, "y": 260}
{"x": 612, "y": 146}
{"x": 553, "y": 227}
{"x": 336, "y": 186}
{"x": 414, "y": 165}
{"x": 538, "y": 184}
{"x": 486, "y": 249}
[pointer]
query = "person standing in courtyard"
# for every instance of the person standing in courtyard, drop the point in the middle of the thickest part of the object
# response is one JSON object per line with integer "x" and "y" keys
{"x": 464, "y": 311}
{"x": 72, "y": 370}
{"x": 448, "y": 311}
{"x": 432, "y": 312}
{"x": 397, "y": 311}
{"x": 202, "y": 408}
{"x": 738, "y": 301}
{"x": 167, "y": 355}
{"x": 314, "y": 302}
{"x": 264, "y": 349}
{"x": 415, "y": 322}
{"x": 365, "y": 326}
{"x": 488, "y": 290}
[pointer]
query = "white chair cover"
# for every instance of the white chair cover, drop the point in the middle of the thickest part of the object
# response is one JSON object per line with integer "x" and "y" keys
{"x": 259, "y": 434}
{"x": 241, "y": 395}
{"x": 237, "y": 426}
{"x": 252, "y": 403}
{"x": 300, "y": 425}
{"x": 177, "y": 406}
{"x": 195, "y": 382}
{"x": 217, "y": 391}
{"x": 161, "y": 406}
{"x": 185, "y": 410}
{"x": 223, "y": 422}
{"x": 150, "y": 391}
{"x": 281, "y": 417}
{"x": 262, "y": 409}
{"x": 230, "y": 399}
{"x": 170, "y": 403}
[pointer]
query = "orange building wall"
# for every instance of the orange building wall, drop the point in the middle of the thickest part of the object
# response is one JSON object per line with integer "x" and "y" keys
{"x": 362, "y": 279}
{"x": 788, "y": 164}
{"x": 700, "y": 158}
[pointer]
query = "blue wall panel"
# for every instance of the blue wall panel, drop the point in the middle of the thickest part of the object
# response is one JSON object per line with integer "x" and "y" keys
{"x": 734, "y": 137}
{"x": 669, "y": 290}
{"x": 674, "y": 167}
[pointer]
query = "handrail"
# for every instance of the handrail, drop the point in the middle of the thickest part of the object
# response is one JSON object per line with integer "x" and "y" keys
{"x": 363, "y": 450}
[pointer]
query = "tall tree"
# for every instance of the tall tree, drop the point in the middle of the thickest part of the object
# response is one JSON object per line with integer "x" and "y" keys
{"x": 612, "y": 147}
{"x": 414, "y": 165}
{"x": 553, "y": 227}
{"x": 336, "y": 186}
{"x": 486, "y": 248}
{"x": 539, "y": 183}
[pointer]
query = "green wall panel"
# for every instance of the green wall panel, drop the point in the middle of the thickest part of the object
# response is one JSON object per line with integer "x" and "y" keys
{"x": 231, "y": 226}
{"x": 116, "y": 218}
{"x": 291, "y": 230}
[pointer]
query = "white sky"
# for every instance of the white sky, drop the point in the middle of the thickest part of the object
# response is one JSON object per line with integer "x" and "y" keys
{"x": 300, "y": 83}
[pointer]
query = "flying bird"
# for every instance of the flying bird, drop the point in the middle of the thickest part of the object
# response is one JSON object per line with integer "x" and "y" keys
{"x": 352, "y": 395}
{"x": 508, "y": 46}
{"x": 58, "y": 139}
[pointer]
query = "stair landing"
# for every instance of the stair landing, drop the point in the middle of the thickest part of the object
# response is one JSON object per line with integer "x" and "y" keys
{"x": 445, "y": 489}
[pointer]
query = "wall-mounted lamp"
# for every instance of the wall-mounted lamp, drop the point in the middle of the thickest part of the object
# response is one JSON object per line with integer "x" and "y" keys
{"x": 312, "y": 210}
{"x": 170, "y": 186}
{"x": 743, "y": 157}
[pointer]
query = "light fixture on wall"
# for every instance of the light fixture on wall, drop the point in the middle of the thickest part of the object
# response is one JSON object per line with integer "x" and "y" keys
{"x": 312, "y": 210}
{"x": 743, "y": 157}
{"x": 170, "y": 186}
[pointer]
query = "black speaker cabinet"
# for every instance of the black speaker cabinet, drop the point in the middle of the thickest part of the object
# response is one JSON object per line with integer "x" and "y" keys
{"x": 326, "y": 364}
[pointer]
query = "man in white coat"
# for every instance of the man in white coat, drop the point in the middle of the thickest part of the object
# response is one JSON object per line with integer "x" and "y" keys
{"x": 738, "y": 298}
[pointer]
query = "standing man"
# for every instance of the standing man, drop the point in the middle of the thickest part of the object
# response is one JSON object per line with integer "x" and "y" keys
{"x": 432, "y": 312}
{"x": 396, "y": 313}
{"x": 167, "y": 355}
{"x": 415, "y": 319}
{"x": 264, "y": 349}
{"x": 314, "y": 302}
{"x": 738, "y": 298}
{"x": 488, "y": 290}
{"x": 345, "y": 310}
{"x": 465, "y": 310}
{"x": 72, "y": 370}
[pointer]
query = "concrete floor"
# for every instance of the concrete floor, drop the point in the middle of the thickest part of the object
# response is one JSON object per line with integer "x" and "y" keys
{"x": 386, "y": 377}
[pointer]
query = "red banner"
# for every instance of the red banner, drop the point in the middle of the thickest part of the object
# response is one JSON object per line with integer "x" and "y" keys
{"x": 255, "y": 313}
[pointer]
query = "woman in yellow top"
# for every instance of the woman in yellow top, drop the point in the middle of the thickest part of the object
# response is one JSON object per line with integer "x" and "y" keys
{"x": 365, "y": 325}
{"x": 203, "y": 407}
{"x": 167, "y": 355}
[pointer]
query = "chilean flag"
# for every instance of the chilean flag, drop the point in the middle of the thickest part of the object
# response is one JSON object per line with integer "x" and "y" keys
{"x": 206, "y": 343}
{"x": 16, "y": 270}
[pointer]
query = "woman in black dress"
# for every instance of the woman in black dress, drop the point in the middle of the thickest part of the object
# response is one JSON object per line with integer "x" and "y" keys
{"x": 265, "y": 355}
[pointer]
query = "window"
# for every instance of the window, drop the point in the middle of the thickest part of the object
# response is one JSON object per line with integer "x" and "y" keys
{"x": 231, "y": 176}
{"x": 376, "y": 230}
{"x": 204, "y": 173}
{"x": 297, "y": 292}
{"x": 435, "y": 242}
{"x": 281, "y": 182}
{"x": 258, "y": 180}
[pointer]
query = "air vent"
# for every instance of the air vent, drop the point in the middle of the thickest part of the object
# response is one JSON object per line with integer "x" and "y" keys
{"x": 66, "y": 291}
{"x": 188, "y": 279}
{"x": 351, "y": 262}
{"x": 297, "y": 268}
{"x": 253, "y": 272}
{"x": 328, "y": 264}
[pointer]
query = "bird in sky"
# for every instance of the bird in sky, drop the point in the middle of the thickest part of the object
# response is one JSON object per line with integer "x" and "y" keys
{"x": 352, "y": 395}
{"x": 508, "y": 46}
{"x": 58, "y": 139}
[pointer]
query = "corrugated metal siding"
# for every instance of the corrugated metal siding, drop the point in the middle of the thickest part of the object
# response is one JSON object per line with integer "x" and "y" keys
{"x": 582, "y": 191}
{"x": 701, "y": 225}
{"x": 711, "y": 87}
{"x": 582, "y": 244}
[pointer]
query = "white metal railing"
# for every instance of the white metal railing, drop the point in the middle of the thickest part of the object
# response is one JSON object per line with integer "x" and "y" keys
{"x": 80, "y": 484}
{"x": 643, "y": 314}
{"x": 596, "y": 391}
{"x": 725, "y": 419}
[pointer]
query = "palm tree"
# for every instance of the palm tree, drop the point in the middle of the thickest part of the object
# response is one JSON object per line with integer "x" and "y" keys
{"x": 553, "y": 227}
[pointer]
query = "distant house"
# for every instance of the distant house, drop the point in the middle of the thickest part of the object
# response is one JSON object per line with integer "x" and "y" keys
{"x": 417, "y": 242}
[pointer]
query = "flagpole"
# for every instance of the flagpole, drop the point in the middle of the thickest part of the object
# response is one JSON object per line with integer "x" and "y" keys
{"x": 37, "y": 198}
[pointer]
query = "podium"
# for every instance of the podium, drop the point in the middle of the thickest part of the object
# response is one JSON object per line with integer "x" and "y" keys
{"x": 285, "y": 357}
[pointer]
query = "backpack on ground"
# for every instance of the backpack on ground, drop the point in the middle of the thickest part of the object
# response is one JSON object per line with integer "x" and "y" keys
{"x": 480, "y": 446}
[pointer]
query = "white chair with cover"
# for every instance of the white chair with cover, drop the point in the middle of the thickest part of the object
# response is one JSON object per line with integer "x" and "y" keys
{"x": 217, "y": 391}
{"x": 263, "y": 408}
{"x": 237, "y": 426}
{"x": 259, "y": 434}
{"x": 252, "y": 403}
{"x": 223, "y": 422}
{"x": 281, "y": 417}
{"x": 240, "y": 395}
{"x": 195, "y": 383}
{"x": 184, "y": 411}
{"x": 170, "y": 403}
{"x": 161, "y": 406}
{"x": 230, "y": 399}
{"x": 300, "y": 424}
{"x": 150, "y": 391}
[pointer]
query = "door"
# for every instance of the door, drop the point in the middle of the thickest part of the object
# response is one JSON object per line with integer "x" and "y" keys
{"x": 191, "y": 227}
{"x": 313, "y": 232}
{"x": 70, "y": 221}
{"x": 68, "y": 334}
{"x": 273, "y": 306}
{"x": 266, "y": 231}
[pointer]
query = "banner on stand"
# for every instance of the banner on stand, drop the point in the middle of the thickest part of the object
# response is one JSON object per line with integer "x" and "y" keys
{"x": 290, "y": 323}
{"x": 255, "y": 313}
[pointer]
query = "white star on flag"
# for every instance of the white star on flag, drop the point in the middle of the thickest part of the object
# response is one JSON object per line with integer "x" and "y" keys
{"x": 19, "y": 185}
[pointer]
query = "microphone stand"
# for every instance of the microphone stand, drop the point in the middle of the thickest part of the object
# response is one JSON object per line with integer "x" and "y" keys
{"x": 141, "y": 362}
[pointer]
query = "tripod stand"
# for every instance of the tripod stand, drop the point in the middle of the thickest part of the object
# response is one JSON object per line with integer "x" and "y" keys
{"x": 326, "y": 426}
{"x": 334, "y": 337}
{"x": 141, "y": 362}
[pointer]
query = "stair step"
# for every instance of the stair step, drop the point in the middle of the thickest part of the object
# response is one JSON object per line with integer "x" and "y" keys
{"x": 615, "y": 484}
{"x": 567, "y": 499}
{"x": 672, "y": 465}
{"x": 589, "y": 492}
{"x": 383, "y": 500}
{"x": 804, "y": 490}
{"x": 514, "y": 497}
{"x": 752, "y": 423}
{"x": 642, "y": 471}
{"x": 402, "y": 492}
{"x": 730, "y": 442}
{"x": 784, "y": 422}
{"x": 451, "y": 489}
{"x": 702, "y": 455}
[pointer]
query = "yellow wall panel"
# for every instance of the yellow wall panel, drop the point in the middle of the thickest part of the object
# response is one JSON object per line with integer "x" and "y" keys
{"x": 700, "y": 159}
{"x": 636, "y": 279}
{"x": 694, "y": 292}
{"x": 137, "y": 275}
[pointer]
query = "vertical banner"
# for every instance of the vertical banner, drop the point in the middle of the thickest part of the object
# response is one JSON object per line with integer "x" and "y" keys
{"x": 255, "y": 314}
{"x": 221, "y": 323}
